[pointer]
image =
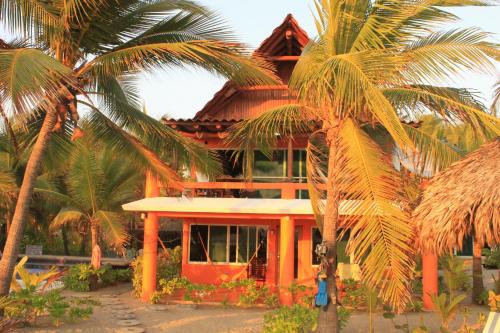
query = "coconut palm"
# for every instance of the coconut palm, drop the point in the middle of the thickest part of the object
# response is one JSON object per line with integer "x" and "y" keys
{"x": 373, "y": 64}
{"x": 90, "y": 53}
{"x": 95, "y": 186}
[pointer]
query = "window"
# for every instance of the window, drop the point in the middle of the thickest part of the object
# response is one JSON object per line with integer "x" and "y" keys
{"x": 269, "y": 169}
{"x": 299, "y": 165}
{"x": 341, "y": 247}
{"x": 227, "y": 243}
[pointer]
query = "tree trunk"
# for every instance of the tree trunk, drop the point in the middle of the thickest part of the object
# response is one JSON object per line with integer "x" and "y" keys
{"x": 65, "y": 240}
{"x": 477, "y": 271}
{"x": 19, "y": 219}
{"x": 328, "y": 319}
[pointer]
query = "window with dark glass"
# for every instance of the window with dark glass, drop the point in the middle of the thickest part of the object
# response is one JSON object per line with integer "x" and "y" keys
{"x": 218, "y": 243}
{"x": 299, "y": 165}
{"x": 227, "y": 244}
{"x": 266, "y": 168}
{"x": 198, "y": 243}
{"x": 342, "y": 256}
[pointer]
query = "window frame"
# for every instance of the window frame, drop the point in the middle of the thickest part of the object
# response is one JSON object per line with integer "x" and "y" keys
{"x": 228, "y": 236}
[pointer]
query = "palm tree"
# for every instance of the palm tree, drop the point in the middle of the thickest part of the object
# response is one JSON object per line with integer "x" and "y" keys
{"x": 372, "y": 64}
{"x": 97, "y": 183}
{"x": 89, "y": 53}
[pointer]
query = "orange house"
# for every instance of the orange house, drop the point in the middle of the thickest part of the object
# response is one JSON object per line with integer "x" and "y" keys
{"x": 231, "y": 228}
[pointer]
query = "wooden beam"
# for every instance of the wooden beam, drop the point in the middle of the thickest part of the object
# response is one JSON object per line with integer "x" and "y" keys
{"x": 285, "y": 58}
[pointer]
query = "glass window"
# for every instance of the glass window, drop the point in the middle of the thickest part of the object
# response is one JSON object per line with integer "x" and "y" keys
{"x": 218, "y": 243}
{"x": 341, "y": 247}
{"x": 233, "y": 243}
{"x": 227, "y": 244}
{"x": 198, "y": 243}
{"x": 242, "y": 244}
{"x": 299, "y": 164}
{"x": 270, "y": 168}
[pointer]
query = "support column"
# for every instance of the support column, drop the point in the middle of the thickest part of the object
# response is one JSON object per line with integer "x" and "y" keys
{"x": 429, "y": 279}
{"x": 287, "y": 231}
{"x": 150, "y": 249}
{"x": 185, "y": 243}
{"x": 272, "y": 255}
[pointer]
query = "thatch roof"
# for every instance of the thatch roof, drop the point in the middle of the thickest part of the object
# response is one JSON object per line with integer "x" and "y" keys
{"x": 462, "y": 200}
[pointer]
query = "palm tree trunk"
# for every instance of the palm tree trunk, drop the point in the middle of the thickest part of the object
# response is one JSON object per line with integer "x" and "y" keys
{"x": 19, "y": 219}
{"x": 328, "y": 319}
{"x": 477, "y": 270}
{"x": 65, "y": 240}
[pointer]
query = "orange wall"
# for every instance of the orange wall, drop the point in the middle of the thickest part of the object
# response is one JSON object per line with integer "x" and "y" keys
{"x": 217, "y": 273}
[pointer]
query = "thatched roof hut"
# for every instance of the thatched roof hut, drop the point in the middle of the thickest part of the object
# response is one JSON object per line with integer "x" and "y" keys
{"x": 462, "y": 200}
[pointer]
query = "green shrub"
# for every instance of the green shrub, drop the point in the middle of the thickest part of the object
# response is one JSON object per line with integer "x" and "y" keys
{"x": 28, "y": 304}
{"x": 297, "y": 319}
{"x": 78, "y": 276}
{"x": 355, "y": 295}
{"x": 169, "y": 267}
{"x": 492, "y": 260}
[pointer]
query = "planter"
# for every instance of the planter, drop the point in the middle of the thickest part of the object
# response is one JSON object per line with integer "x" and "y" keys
{"x": 93, "y": 282}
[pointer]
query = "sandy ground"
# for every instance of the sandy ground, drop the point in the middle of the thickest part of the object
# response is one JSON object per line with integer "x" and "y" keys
{"x": 205, "y": 319}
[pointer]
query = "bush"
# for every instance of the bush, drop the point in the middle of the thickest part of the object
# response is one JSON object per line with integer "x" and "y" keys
{"x": 28, "y": 304}
{"x": 169, "y": 267}
{"x": 78, "y": 277}
{"x": 492, "y": 260}
{"x": 298, "y": 319}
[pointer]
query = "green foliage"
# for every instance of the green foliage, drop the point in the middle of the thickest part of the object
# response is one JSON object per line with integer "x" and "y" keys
{"x": 169, "y": 267}
{"x": 78, "y": 276}
{"x": 28, "y": 304}
{"x": 455, "y": 275}
{"x": 298, "y": 319}
{"x": 110, "y": 276}
{"x": 446, "y": 307}
{"x": 295, "y": 319}
{"x": 492, "y": 260}
{"x": 355, "y": 296}
{"x": 34, "y": 280}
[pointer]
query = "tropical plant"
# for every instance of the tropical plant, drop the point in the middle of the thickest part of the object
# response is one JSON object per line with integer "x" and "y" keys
{"x": 373, "y": 64}
{"x": 89, "y": 53}
{"x": 97, "y": 183}
{"x": 31, "y": 280}
{"x": 447, "y": 307}
{"x": 168, "y": 268}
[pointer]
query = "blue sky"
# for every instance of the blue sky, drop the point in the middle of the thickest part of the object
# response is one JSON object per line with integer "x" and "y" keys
{"x": 181, "y": 93}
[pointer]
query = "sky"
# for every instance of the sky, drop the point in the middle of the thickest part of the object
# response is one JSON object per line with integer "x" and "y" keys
{"x": 180, "y": 93}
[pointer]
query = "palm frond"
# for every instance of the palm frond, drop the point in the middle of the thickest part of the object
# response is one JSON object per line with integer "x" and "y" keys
{"x": 28, "y": 77}
{"x": 229, "y": 60}
{"x": 441, "y": 55}
{"x": 123, "y": 143}
{"x": 381, "y": 234}
{"x": 66, "y": 215}
{"x": 113, "y": 229}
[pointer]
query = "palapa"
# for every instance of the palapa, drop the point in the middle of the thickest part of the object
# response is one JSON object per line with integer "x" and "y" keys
{"x": 462, "y": 200}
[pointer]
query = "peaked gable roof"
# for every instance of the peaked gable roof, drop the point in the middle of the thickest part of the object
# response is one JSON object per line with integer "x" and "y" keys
{"x": 285, "y": 43}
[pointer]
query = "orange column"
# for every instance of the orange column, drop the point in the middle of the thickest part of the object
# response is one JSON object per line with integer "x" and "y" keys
{"x": 272, "y": 255}
{"x": 185, "y": 243}
{"x": 429, "y": 279}
{"x": 287, "y": 230}
{"x": 305, "y": 255}
{"x": 150, "y": 249}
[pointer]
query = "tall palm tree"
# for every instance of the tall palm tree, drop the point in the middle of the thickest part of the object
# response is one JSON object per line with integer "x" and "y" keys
{"x": 89, "y": 53}
{"x": 372, "y": 64}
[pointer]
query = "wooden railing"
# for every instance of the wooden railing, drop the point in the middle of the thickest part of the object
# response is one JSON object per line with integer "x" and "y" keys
{"x": 287, "y": 189}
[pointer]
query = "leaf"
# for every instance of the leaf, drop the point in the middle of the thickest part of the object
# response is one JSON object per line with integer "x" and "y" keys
{"x": 112, "y": 226}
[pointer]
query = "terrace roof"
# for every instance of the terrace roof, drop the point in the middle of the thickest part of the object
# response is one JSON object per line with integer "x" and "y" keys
{"x": 191, "y": 207}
